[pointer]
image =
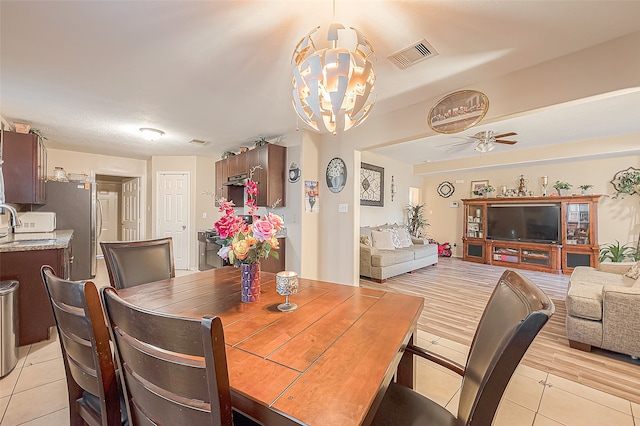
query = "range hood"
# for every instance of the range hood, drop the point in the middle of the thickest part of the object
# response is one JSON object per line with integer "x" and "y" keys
{"x": 237, "y": 180}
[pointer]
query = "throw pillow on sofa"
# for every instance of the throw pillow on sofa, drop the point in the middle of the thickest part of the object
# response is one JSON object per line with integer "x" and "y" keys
{"x": 394, "y": 236}
{"x": 404, "y": 237}
{"x": 634, "y": 271}
{"x": 382, "y": 240}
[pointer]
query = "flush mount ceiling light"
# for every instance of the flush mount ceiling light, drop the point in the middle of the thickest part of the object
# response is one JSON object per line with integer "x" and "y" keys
{"x": 151, "y": 134}
{"x": 333, "y": 86}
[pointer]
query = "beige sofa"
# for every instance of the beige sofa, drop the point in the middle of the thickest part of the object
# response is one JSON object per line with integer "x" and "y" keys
{"x": 603, "y": 308}
{"x": 382, "y": 262}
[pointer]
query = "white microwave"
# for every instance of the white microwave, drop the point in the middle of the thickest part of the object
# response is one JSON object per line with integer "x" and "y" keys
{"x": 36, "y": 222}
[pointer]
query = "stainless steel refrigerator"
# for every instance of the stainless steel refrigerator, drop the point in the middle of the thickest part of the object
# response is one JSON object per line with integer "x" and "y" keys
{"x": 76, "y": 207}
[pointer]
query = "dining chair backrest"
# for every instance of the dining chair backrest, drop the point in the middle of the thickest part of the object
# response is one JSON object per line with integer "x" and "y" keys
{"x": 131, "y": 263}
{"x": 174, "y": 369}
{"x": 94, "y": 396}
{"x": 515, "y": 313}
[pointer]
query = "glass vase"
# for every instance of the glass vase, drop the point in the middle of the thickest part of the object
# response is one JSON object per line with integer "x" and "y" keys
{"x": 250, "y": 282}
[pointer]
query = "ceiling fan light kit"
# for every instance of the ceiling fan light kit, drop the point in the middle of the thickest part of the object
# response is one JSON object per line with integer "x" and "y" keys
{"x": 487, "y": 140}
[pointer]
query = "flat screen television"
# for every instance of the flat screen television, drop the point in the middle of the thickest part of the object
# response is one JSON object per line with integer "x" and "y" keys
{"x": 539, "y": 223}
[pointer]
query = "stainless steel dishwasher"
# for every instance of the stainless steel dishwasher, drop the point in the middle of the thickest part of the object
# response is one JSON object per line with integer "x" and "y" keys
{"x": 208, "y": 251}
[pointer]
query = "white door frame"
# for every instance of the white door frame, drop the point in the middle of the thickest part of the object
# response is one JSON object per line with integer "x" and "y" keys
{"x": 157, "y": 230}
{"x": 142, "y": 227}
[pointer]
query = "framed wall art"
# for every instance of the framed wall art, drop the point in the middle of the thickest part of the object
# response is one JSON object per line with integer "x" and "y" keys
{"x": 476, "y": 185}
{"x": 458, "y": 111}
{"x": 371, "y": 185}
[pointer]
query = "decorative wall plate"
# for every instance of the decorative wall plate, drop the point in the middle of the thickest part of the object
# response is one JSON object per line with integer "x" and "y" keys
{"x": 336, "y": 174}
{"x": 371, "y": 185}
{"x": 445, "y": 189}
{"x": 294, "y": 173}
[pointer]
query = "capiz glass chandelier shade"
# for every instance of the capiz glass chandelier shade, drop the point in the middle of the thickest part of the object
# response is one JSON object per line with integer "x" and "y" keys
{"x": 333, "y": 86}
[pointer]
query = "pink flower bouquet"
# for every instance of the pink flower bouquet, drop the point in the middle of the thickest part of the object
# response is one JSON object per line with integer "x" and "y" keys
{"x": 247, "y": 243}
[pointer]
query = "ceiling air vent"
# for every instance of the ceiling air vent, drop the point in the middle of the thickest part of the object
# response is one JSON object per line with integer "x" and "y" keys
{"x": 197, "y": 142}
{"x": 413, "y": 54}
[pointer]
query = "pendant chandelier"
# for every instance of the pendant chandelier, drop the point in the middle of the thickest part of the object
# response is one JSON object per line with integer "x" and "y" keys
{"x": 333, "y": 86}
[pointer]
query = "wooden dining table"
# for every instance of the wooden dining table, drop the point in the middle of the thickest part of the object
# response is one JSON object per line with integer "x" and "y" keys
{"x": 328, "y": 362}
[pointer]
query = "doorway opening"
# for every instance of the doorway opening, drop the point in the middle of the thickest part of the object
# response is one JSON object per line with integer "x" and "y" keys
{"x": 118, "y": 209}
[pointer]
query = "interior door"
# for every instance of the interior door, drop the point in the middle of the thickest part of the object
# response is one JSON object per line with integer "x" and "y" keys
{"x": 173, "y": 214}
{"x": 108, "y": 202}
{"x": 131, "y": 209}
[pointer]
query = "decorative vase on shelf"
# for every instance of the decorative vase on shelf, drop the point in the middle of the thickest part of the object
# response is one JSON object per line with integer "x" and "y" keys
{"x": 250, "y": 282}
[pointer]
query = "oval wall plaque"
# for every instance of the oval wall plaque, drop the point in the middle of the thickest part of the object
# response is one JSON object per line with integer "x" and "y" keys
{"x": 458, "y": 111}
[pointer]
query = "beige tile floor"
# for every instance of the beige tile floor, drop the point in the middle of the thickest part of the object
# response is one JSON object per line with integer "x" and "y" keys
{"x": 34, "y": 393}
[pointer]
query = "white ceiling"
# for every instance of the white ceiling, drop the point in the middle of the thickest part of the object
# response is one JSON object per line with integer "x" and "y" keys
{"x": 89, "y": 74}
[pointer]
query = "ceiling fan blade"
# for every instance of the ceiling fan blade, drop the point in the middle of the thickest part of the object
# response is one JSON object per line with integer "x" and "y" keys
{"x": 506, "y": 142}
{"x": 504, "y": 135}
{"x": 455, "y": 144}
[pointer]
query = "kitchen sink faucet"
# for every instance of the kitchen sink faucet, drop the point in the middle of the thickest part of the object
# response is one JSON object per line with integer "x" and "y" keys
{"x": 13, "y": 218}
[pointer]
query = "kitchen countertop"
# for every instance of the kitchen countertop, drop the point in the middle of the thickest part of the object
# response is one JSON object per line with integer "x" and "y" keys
{"x": 36, "y": 241}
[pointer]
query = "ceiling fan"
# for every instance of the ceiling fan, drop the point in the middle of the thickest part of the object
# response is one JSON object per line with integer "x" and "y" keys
{"x": 486, "y": 140}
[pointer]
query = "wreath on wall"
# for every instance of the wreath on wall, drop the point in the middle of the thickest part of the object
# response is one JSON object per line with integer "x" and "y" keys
{"x": 626, "y": 182}
{"x": 445, "y": 189}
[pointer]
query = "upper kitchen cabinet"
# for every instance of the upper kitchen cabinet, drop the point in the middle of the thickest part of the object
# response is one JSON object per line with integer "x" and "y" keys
{"x": 270, "y": 176}
{"x": 24, "y": 168}
{"x": 222, "y": 173}
{"x": 236, "y": 165}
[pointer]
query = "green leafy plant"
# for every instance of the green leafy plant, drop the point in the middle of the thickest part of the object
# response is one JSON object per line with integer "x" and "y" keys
{"x": 485, "y": 190}
{"x": 628, "y": 184}
{"x": 618, "y": 253}
{"x": 562, "y": 185}
{"x": 261, "y": 142}
{"x": 416, "y": 222}
{"x": 38, "y": 133}
{"x": 585, "y": 187}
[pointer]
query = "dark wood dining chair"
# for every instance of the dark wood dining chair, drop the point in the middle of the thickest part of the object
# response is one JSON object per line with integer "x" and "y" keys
{"x": 131, "y": 263}
{"x": 512, "y": 318}
{"x": 94, "y": 394}
{"x": 174, "y": 369}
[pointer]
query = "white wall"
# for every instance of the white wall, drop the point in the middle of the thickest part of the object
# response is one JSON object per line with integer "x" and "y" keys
{"x": 392, "y": 211}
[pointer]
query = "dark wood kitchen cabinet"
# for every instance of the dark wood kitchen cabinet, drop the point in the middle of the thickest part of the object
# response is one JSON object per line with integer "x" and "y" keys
{"x": 222, "y": 173}
{"x": 35, "y": 316}
{"x": 270, "y": 176}
{"x": 271, "y": 264}
{"x": 24, "y": 168}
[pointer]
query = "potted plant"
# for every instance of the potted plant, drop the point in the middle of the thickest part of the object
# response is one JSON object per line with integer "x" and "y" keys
{"x": 486, "y": 190}
{"x": 415, "y": 220}
{"x": 617, "y": 253}
{"x": 586, "y": 189}
{"x": 261, "y": 142}
{"x": 628, "y": 184}
{"x": 562, "y": 187}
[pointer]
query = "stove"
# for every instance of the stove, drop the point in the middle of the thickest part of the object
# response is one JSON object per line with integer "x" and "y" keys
{"x": 208, "y": 250}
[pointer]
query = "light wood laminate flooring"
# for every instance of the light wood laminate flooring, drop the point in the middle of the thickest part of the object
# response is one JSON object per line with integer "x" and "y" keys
{"x": 455, "y": 294}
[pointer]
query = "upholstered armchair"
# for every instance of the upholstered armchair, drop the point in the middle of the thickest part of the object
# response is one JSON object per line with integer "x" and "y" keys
{"x": 603, "y": 308}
